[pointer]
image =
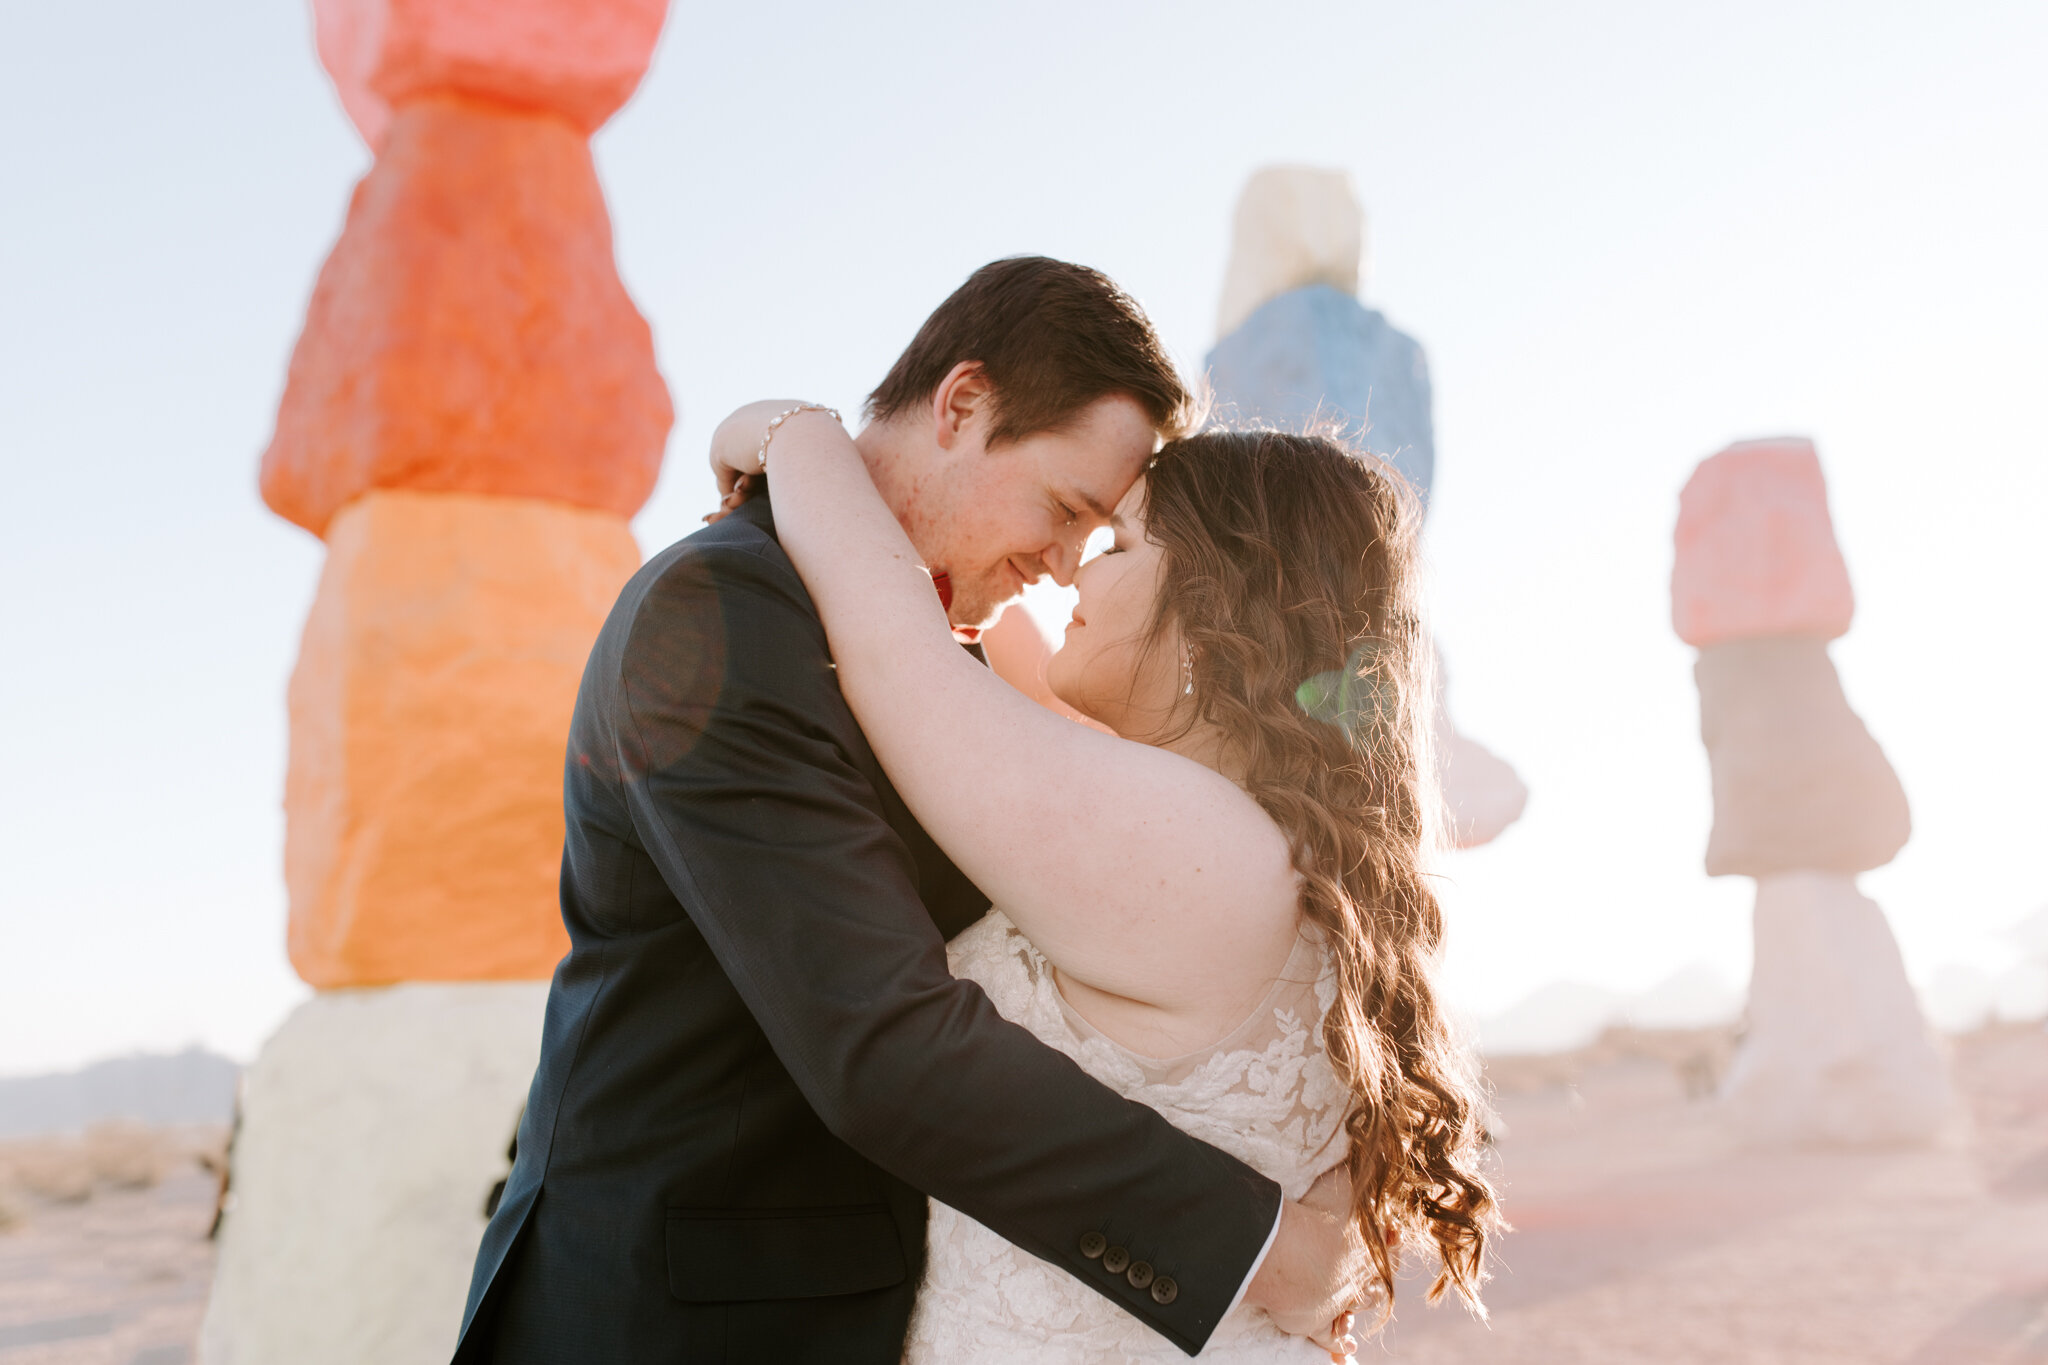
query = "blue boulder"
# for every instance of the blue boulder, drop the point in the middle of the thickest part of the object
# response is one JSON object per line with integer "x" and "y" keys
{"x": 1317, "y": 352}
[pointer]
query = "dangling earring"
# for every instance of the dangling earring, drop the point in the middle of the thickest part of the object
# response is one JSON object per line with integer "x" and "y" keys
{"x": 1187, "y": 669}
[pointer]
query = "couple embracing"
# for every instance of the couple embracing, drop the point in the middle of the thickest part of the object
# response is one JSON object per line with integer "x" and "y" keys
{"x": 907, "y": 1019}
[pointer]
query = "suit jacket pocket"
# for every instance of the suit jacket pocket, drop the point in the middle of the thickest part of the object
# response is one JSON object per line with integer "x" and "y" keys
{"x": 743, "y": 1255}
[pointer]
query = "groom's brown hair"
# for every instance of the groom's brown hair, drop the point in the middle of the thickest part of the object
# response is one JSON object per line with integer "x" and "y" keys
{"x": 1052, "y": 338}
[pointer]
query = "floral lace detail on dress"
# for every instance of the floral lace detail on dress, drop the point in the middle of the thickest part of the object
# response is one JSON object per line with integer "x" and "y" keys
{"x": 1265, "y": 1094}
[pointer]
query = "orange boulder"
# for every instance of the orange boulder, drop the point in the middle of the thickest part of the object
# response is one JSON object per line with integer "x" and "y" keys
{"x": 1756, "y": 548}
{"x": 470, "y": 333}
{"x": 580, "y": 59}
{"x": 429, "y": 713}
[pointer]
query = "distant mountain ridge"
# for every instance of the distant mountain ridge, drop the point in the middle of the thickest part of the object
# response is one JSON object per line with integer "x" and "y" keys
{"x": 193, "y": 1086}
{"x": 1566, "y": 1015}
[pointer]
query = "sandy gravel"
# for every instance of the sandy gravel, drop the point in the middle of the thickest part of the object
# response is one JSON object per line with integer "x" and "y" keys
{"x": 116, "y": 1278}
{"x": 1644, "y": 1233}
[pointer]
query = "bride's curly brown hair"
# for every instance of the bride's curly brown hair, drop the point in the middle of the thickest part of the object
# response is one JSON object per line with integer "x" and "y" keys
{"x": 1291, "y": 576}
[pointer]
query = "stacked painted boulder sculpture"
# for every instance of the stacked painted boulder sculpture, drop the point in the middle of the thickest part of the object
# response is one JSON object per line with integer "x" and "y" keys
{"x": 471, "y": 414}
{"x": 1804, "y": 800}
{"x": 1296, "y": 348}
{"x": 1296, "y": 345}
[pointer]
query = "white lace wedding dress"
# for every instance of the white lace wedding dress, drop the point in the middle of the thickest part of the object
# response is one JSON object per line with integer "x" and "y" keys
{"x": 1265, "y": 1094}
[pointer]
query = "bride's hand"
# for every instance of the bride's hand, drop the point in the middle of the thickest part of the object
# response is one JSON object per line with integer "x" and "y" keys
{"x": 736, "y": 443}
{"x": 736, "y": 452}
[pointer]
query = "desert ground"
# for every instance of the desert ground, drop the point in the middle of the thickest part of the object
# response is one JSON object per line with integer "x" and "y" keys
{"x": 104, "y": 1256}
{"x": 1644, "y": 1232}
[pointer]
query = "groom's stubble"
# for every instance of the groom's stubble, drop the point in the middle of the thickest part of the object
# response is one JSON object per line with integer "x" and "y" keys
{"x": 996, "y": 519}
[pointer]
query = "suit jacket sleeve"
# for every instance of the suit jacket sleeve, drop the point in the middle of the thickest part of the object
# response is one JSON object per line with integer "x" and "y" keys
{"x": 776, "y": 843}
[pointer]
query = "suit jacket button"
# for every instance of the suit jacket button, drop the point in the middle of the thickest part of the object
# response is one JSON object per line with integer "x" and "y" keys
{"x": 1140, "y": 1274}
{"x": 1164, "y": 1290}
{"x": 1093, "y": 1244}
{"x": 1115, "y": 1259}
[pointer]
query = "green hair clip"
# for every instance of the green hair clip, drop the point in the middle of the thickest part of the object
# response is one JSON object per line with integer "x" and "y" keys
{"x": 1356, "y": 698}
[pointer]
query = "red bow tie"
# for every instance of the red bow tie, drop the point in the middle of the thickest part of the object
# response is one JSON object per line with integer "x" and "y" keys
{"x": 942, "y": 583}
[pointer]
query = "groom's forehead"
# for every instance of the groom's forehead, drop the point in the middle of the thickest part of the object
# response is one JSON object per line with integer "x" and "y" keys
{"x": 1098, "y": 476}
{"x": 1096, "y": 503}
{"x": 1111, "y": 440}
{"x": 1099, "y": 493}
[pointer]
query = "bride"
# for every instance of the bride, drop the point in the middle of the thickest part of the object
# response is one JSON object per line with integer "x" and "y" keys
{"x": 1219, "y": 909}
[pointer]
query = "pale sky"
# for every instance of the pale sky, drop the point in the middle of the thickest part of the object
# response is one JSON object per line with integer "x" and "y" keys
{"x": 1627, "y": 234}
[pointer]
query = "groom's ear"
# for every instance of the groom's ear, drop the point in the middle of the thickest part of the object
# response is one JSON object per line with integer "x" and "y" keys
{"x": 963, "y": 404}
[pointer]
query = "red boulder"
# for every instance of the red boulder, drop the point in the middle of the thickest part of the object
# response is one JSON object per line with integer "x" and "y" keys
{"x": 470, "y": 333}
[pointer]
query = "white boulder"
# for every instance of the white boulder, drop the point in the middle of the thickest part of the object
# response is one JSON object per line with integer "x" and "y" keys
{"x": 1836, "y": 1050}
{"x": 1482, "y": 793}
{"x": 373, "y": 1125}
{"x": 1295, "y": 226}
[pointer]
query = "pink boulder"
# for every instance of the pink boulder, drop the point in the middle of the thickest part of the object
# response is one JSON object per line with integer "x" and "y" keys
{"x": 1756, "y": 549}
{"x": 580, "y": 59}
{"x": 469, "y": 333}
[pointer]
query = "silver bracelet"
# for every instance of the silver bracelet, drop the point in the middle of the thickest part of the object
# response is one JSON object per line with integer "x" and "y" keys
{"x": 761, "y": 456}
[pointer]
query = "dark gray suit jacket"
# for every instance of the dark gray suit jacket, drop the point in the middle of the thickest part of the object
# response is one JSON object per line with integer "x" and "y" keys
{"x": 755, "y": 1064}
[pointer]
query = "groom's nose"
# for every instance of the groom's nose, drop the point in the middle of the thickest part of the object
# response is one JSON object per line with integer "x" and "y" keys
{"x": 1062, "y": 558}
{"x": 1033, "y": 567}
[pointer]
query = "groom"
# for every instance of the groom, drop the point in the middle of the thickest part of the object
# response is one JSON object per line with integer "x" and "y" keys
{"x": 755, "y": 1064}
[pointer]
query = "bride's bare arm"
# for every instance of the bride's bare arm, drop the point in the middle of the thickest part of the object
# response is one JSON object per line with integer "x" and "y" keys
{"x": 1136, "y": 871}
